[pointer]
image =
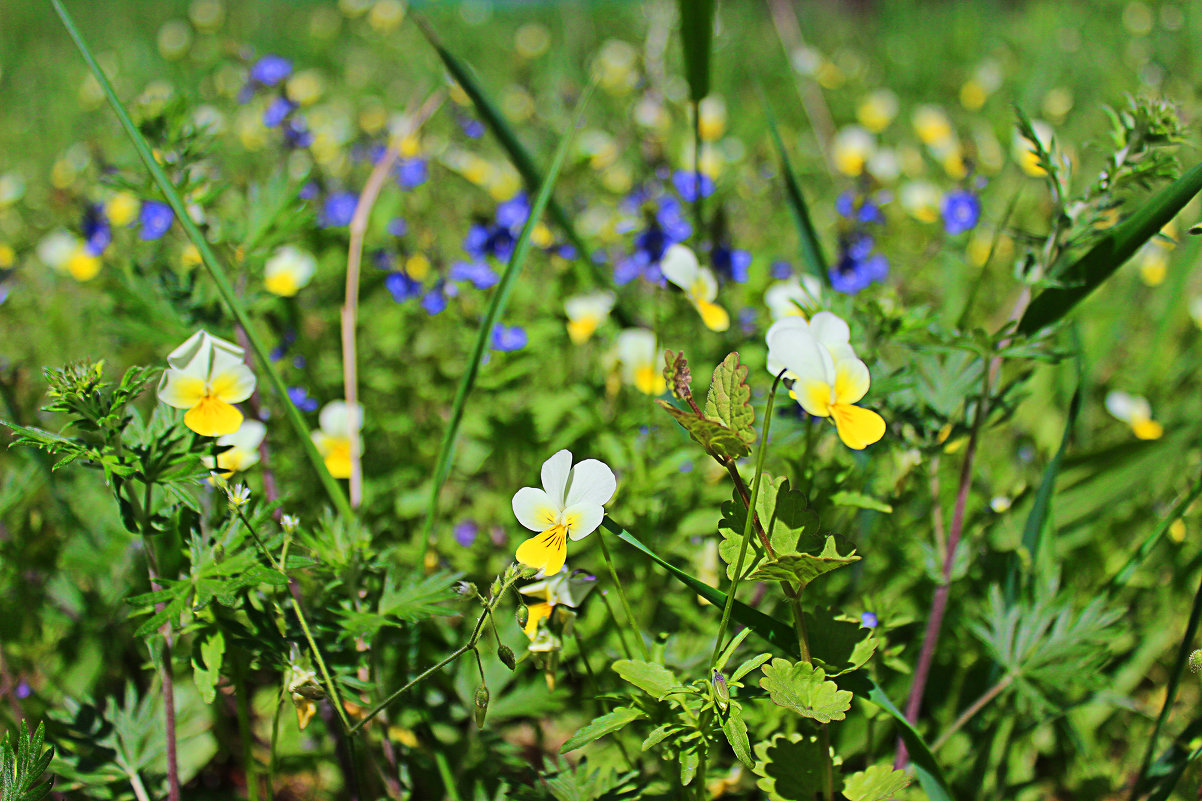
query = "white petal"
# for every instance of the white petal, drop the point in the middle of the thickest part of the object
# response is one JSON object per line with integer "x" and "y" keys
{"x": 534, "y": 509}
{"x": 829, "y": 329}
{"x": 555, "y": 474}
{"x": 705, "y": 285}
{"x": 802, "y": 354}
{"x": 851, "y": 380}
{"x": 233, "y": 383}
{"x": 186, "y": 354}
{"x": 246, "y": 438}
{"x": 336, "y": 418}
{"x": 679, "y": 265}
{"x": 635, "y": 346}
{"x": 583, "y": 518}
{"x": 1128, "y": 408}
{"x": 591, "y": 481}
{"x": 595, "y": 304}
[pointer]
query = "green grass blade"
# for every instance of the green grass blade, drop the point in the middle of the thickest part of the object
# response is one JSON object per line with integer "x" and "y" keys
{"x": 696, "y": 36}
{"x": 1124, "y": 574}
{"x": 1108, "y": 254}
{"x": 1167, "y": 770}
{"x": 446, "y": 448}
{"x": 811, "y": 248}
{"x": 211, "y": 263}
{"x": 783, "y": 636}
{"x": 496, "y": 122}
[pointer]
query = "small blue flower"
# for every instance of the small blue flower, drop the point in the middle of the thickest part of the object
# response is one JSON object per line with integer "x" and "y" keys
{"x": 478, "y": 272}
{"x": 961, "y": 211}
{"x": 435, "y": 301}
{"x": 858, "y": 266}
{"x": 300, "y": 399}
{"x": 731, "y": 263}
{"x": 687, "y": 185}
{"x": 270, "y": 70}
{"x": 402, "y": 287}
{"x": 512, "y": 213}
{"x": 471, "y": 126}
{"x": 155, "y": 219}
{"x": 338, "y": 210}
{"x": 309, "y": 191}
{"x": 861, "y": 209}
{"x": 296, "y": 132}
{"x": 397, "y": 226}
{"x": 97, "y": 232}
{"x": 279, "y": 109}
{"x": 869, "y": 620}
{"x": 465, "y": 533}
{"x": 781, "y": 269}
{"x": 412, "y": 173}
{"x": 23, "y": 690}
{"x": 509, "y": 338}
{"x": 747, "y": 320}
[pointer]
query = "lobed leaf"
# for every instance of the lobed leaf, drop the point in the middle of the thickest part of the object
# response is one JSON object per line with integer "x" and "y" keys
{"x": 790, "y": 767}
{"x": 803, "y": 688}
{"x": 877, "y": 783}
{"x": 803, "y": 568}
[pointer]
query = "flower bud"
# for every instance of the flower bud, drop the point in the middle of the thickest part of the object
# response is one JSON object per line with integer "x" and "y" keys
{"x": 721, "y": 690}
{"x": 523, "y": 615}
{"x": 495, "y": 589}
{"x": 505, "y": 654}
{"x": 465, "y": 589}
{"x": 481, "y": 705}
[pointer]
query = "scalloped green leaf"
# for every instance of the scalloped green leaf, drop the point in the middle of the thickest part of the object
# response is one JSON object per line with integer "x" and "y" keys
{"x": 601, "y": 726}
{"x": 791, "y": 524}
{"x": 790, "y": 767}
{"x": 736, "y": 734}
{"x": 729, "y": 398}
{"x": 655, "y": 680}
{"x": 838, "y": 645}
{"x": 878, "y": 783}
{"x": 804, "y": 567}
{"x": 718, "y": 440}
{"x": 803, "y": 688}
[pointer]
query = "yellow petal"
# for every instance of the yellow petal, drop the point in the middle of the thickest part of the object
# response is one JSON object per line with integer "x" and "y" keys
{"x": 579, "y": 330}
{"x": 649, "y": 381}
{"x": 337, "y": 454}
{"x": 858, "y": 428}
{"x": 82, "y": 265}
{"x": 1147, "y": 429}
{"x": 180, "y": 390}
{"x": 281, "y": 283}
{"x": 814, "y": 396}
{"x": 213, "y": 417}
{"x": 713, "y": 315}
{"x": 538, "y": 612}
{"x": 547, "y": 551}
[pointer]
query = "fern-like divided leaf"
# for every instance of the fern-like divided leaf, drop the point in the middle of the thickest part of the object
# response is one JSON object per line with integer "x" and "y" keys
{"x": 22, "y": 767}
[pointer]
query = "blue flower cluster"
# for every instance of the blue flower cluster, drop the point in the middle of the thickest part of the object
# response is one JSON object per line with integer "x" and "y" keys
{"x": 660, "y": 221}
{"x": 857, "y": 265}
{"x": 154, "y": 221}
{"x": 268, "y": 75}
{"x": 961, "y": 211}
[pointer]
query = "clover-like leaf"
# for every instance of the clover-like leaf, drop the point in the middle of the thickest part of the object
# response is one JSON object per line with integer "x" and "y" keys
{"x": 719, "y": 441}
{"x": 729, "y": 398}
{"x": 878, "y": 783}
{"x": 803, "y": 688}
{"x": 803, "y": 568}
{"x": 653, "y": 679}
{"x": 790, "y": 767}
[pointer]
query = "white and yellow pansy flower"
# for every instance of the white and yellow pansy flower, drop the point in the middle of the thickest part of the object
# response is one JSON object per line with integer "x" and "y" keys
{"x": 288, "y": 269}
{"x": 206, "y": 376}
{"x": 566, "y": 588}
{"x": 680, "y": 266}
{"x": 851, "y": 148}
{"x": 570, "y": 504}
{"x": 639, "y": 357}
{"x": 241, "y": 449}
{"x": 1136, "y": 412}
{"x": 796, "y": 297}
{"x": 586, "y": 313}
{"x": 828, "y": 379}
{"x": 877, "y": 109}
{"x": 339, "y": 422}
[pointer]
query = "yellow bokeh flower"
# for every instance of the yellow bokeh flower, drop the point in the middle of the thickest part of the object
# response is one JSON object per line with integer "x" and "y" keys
{"x": 288, "y": 270}
{"x": 877, "y": 110}
{"x": 851, "y": 148}
{"x": 241, "y": 449}
{"x": 586, "y": 313}
{"x": 338, "y": 424}
{"x": 640, "y": 360}
{"x": 569, "y": 505}
{"x": 206, "y": 376}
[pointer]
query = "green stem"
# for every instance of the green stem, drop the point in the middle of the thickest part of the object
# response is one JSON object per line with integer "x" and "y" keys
{"x": 799, "y": 625}
{"x": 621, "y": 635}
{"x": 242, "y": 704}
{"x": 634, "y": 626}
{"x": 211, "y": 263}
{"x": 444, "y": 771}
{"x": 748, "y": 522}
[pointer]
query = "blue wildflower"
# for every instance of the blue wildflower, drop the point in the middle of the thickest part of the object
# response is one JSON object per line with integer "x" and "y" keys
{"x": 484, "y": 239}
{"x": 688, "y": 184}
{"x": 155, "y": 219}
{"x": 97, "y": 232}
{"x": 279, "y": 109}
{"x": 296, "y": 132}
{"x": 338, "y": 210}
{"x": 478, "y": 272}
{"x": 731, "y": 263}
{"x": 402, "y": 287}
{"x": 509, "y": 338}
{"x": 412, "y": 173}
{"x": 857, "y": 266}
{"x": 470, "y": 126}
{"x": 465, "y": 533}
{"x": 665, "y": 225}
{"x": 270, "y": 70}
{"x": 397, "y": 226}
{"x": 869, "y": 620}
{"x": 512, "y": 213}
{"x": 781, "y": 269}
{"x": 435, "y": 301}
{"x": 309, "y": 191}
{"x": 961, "y": 211}
{"x": 300, "y": 399}
{"x": 861, "y": 208}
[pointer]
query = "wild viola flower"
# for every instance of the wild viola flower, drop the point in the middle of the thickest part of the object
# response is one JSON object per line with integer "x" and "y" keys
{"x": 288, "y": 270}
{"x": 241, "y": 449}
{"x": 681, "y": 268}
{"x": 711, "y": 121}
{"x": 1136, "y": 412}
{"x": 570, "y": 504}
{"x": 565, "y": 588}
{"x": 961, "y": 211}
{"x": 508, "y": 338}
{"x": 781, "y": 270}
{"x": 411, "y": 173}
{"x": 827, "y": 377}
{"x": 586, "y": 313}
{"x": 465, "y": 533}
{"x": 640, "y": 360}
{"x": 921, "y": 199}
{"x": 797, "y": 297}
{"x": 869, "y": 620}
{"x": 851, "y": 148}
{"x": 206, "y": 376}
{"x": 155, "y": 220}
{"x": 339, "y": 422}
{"x": 932, "y": 126}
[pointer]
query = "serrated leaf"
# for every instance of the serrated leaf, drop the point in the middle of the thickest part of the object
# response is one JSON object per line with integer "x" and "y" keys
{"x": 789, "y": 522}
{"x": 736, "y": 734}
{"x": 878, "y": 783}
{"x": 599, "y": 727}
{"x": 718, "y": 440}
{"x": 22, "y": 765}
{"x": 729, "y": 398}
{"x": 790, "y": 767}
{"x": 858, "y": 500}
{"x": 803, "y": 688}
{"x": 804, "y": 567}
{"x": 653, "y": 679}
{"x": 837, "y": 645}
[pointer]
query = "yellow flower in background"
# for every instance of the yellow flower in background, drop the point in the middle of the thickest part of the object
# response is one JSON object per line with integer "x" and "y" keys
{"x": 338, "y": 424}
{"x": 122, "y": 209}
{"x": 877, "y": 110}
{"x": 679, "y": 265}
{"x": 851, "y": 148}
{"x": 1136, "y": 412}
{"x": 532, "y": 40}
{"x": 569, "y": 505}
{"x": 796, "y": 297}
{"x": 932, "y": 125}
{"x": 586, "y": 313}
{"x": 640, "y": 360}
{"x": 306, "y": 87}
{"x": 206, "y": 376}
{"x": 288, "y": 270}
{"x": 565, "y": 588}
{"x": 386, "y": 15}
{"x": 82, "y": 265}
{"x": 242, "y": 449}
{"x": 616, "y": 66}
{"x": 7, "y": 255}
{"x": 712, "y": 119}
{"x": 1154, "y": 262}
{"x": 921, "y": 199}
{"x": 828, "y": 380}
{"x": 599, "y": 146}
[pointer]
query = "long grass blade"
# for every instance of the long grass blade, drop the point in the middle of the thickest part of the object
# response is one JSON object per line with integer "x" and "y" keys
{"x": 1167, "y": 770}
{"x": 1124, "y": 574}
{"x": 212, "y": 265}
{"x": 1108, "y": 254}
{"x": 811, "y": 248}
{"x": 696, "y": 36}
{"x": 446, "y": 449}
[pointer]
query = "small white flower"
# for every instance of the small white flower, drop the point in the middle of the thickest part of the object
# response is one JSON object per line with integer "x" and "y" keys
{"x": 338, "y": 424}
{"x": 1136, "y": 412}
{"x": 796, "y": 297}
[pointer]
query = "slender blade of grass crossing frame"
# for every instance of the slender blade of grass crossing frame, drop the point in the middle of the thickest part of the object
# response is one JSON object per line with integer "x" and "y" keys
{"x": 696, "y": 37}
{"x": 1167, "y": 770}
{"x": 496, "y": 122}
{"x": 811, "y": 248}
{"x": 1137, "y": 557}
{"x": 446, "y": 448}
{"x": 782, "y": 635}
{"x": 1109, "y": 252}
{"x": 212, "y": 265}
